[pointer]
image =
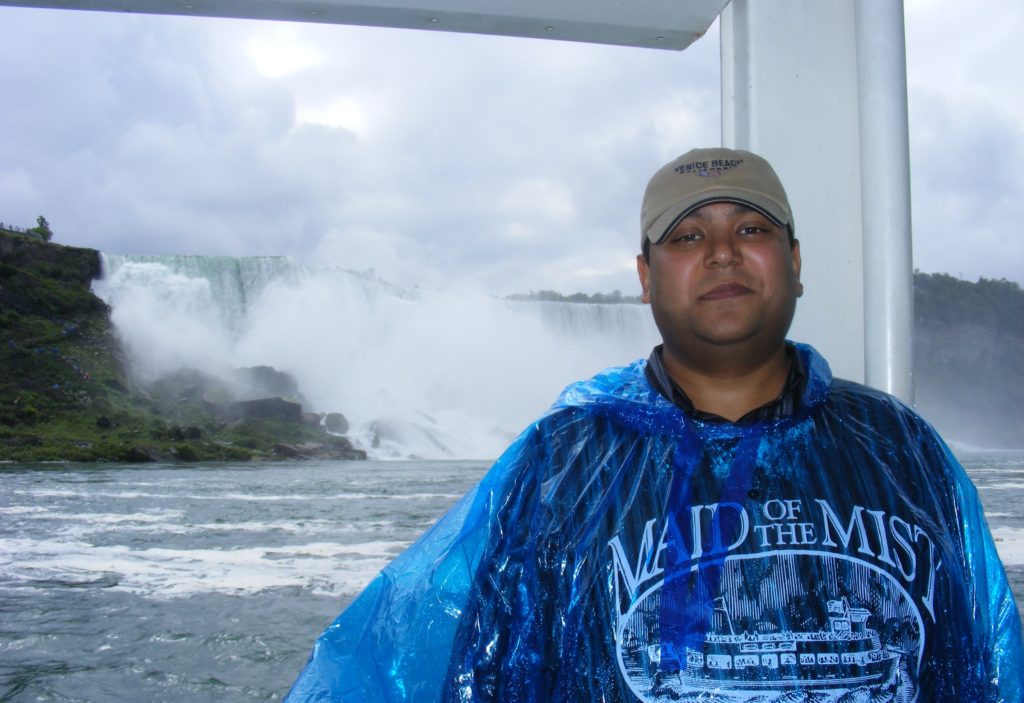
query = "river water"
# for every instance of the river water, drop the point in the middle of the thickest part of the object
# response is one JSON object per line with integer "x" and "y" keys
{"x": 210, "y": 583}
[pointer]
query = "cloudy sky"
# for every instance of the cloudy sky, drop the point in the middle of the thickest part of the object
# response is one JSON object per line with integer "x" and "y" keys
{"x": 505, "y": 164}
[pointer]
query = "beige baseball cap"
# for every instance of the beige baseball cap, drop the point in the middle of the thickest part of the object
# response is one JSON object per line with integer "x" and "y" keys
{"x": 703, "y": 176}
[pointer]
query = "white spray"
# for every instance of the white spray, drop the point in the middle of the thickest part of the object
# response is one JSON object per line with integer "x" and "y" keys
{"x": 429, "y": 374}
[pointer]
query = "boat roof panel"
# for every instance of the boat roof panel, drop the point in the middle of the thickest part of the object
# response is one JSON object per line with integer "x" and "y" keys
{"x": 660, "y": 24}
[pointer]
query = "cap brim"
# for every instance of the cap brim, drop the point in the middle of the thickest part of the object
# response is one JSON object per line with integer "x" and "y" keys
{"x": 668, "y": 220}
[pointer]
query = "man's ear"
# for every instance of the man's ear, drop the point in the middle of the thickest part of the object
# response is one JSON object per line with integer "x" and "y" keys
{"x": 795, "y": 254}
{"x": 643, "y": 270}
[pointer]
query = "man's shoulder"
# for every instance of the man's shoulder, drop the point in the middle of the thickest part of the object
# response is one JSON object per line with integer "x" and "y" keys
{"x": 844, "y": 388}
{"x": 612, "y": 385}
{"x": 621, "y": 394}
{"x": 846, "y": 392}
{"x": 885, "y": 414}
{"x": 861, "y": 406}
{"x": 844, "y": 395}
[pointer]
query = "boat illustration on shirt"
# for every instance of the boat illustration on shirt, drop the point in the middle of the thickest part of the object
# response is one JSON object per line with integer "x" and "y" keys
{"x": 843, "y": 654}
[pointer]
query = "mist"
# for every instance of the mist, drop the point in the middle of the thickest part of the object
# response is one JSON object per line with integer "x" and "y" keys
{"x": 969, "y": 359}
{"x": 418, "y": 373}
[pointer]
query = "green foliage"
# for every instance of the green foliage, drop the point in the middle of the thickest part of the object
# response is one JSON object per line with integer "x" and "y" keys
{"x": 940, "y": 300}
{"x": 969, "y": 357}
{"x": 42, "y": 229}
{"x": 64, "y": 394}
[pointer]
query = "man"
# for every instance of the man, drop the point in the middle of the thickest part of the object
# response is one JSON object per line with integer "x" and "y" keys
{"x": 723, "y": 522}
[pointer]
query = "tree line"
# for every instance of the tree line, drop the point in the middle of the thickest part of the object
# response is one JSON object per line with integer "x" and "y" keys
{"x": 969, "y": 357}
{"x": 41, "y": 230}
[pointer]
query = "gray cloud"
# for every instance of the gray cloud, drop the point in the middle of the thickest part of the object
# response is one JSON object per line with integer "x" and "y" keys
{"x": 967, "y": 140}
{"x": 968, "y": 190}
{"x": 435, "y": 159}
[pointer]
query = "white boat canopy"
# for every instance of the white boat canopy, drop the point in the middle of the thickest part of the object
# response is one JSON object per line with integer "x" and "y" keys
{"x": 656, "y": 24}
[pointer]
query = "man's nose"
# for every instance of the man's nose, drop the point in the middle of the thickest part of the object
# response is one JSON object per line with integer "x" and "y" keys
{"x": 723, "y": 250}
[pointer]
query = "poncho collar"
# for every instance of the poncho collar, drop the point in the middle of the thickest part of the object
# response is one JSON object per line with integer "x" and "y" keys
{"x": 786, "y": 403}
{"x": 626, "y": 394}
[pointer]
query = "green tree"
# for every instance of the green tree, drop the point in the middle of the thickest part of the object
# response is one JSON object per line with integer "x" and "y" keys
{"x": 42, "y": 229}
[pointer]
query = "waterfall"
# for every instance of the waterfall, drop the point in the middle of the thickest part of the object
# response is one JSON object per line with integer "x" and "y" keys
{"x": 430, "y": 374}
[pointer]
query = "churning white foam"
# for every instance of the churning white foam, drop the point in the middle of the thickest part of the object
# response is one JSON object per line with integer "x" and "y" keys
{"x": 324, "y": 567}
{"x": 429, "y": 374}
{"x": 1008, "y": 486}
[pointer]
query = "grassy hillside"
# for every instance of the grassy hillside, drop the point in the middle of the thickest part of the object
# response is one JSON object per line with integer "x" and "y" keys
{"x": 969, "y": 358}
{"x": 65, "y": 393}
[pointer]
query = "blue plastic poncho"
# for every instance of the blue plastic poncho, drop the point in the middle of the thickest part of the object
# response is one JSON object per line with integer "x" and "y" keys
{"x": 623, "y": 551}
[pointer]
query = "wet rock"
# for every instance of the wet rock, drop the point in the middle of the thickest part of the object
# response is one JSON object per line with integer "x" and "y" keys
{"x": 336, "y": 423}
{"x": 185, "y": 453}
{"x": 190, "y": 385}
{"x": 23, "y": 440}
{"x": 266, "y": 409}
{"x": 341, "y": 448}
{"x": 305, "y": 450}
{"x": 337, "y": 448}
{"x": 138, "y": 455}
{"x": 265, "y": 381}
{"x": 183, "y": 433}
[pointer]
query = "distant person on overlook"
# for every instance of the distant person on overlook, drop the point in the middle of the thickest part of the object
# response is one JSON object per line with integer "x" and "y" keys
{"x": 724, "y": 521}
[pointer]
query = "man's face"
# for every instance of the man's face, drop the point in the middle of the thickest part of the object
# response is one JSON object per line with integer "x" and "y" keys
{"x": 725, "y": 279}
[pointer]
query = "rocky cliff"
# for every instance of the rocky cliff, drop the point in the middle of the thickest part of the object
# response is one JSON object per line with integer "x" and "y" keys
{"x": 65, "y": 393}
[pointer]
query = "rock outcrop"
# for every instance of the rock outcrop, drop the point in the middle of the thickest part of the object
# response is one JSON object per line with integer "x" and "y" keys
{"x": 66, "y": 392}
{"x": 336, "y": 423}
{"x": 277, "y": 409}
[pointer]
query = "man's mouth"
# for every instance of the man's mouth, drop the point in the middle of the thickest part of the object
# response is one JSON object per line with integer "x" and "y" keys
{"x": 726, "y": 290}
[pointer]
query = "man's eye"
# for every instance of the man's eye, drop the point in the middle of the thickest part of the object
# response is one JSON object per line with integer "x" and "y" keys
{"x": 752, "y": 230}
{"x": 685, "y": 237}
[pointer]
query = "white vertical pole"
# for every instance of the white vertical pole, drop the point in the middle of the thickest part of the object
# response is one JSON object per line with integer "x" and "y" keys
{"x": 885, "y": 197}
{"x": 789, "y": 93}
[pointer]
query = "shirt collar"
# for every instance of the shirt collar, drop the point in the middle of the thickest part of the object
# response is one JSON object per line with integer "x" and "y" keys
{"x": 788, "y": 402}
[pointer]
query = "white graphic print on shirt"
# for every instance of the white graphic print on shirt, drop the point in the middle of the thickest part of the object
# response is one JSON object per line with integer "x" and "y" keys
{"x": 730, "y": 603}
